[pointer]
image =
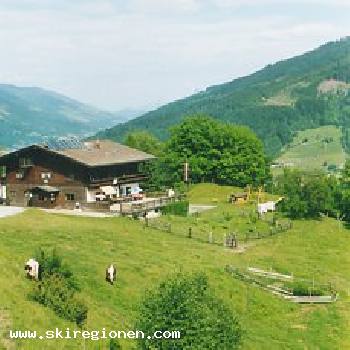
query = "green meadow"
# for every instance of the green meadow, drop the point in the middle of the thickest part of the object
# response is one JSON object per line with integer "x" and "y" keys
{"x": 309, "y": 151}
{"x": 144, "y": 256}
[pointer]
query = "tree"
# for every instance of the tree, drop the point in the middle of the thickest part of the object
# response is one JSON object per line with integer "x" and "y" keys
{"x": 185, "y": 303}
{"x": 144, "y": 141}
{"x": 217, "y": 152}
{"x": 345, "y": 193}
{"x": 307, "y": 196}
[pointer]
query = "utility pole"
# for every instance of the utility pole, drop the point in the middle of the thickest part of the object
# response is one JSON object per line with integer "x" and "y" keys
{"x": 186, "y": 172}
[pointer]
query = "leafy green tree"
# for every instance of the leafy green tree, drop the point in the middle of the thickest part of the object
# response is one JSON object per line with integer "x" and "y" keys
{"x": 185, "y": 303}
{"x": 144, "y": 141}
{"x": 345, "y": 193}
{"x": 345, "y": 205}
{"x": 216, "y": 152}
{"x": 345, "y": 179}
{"x": 308, "y": 196}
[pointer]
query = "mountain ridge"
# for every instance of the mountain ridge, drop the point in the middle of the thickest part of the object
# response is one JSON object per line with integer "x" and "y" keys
{"x": 31, "y": 114}
{"x": 243, "y": 100}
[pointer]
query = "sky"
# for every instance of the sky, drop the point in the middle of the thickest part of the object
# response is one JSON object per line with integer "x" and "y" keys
{"x": 139, "y": 54}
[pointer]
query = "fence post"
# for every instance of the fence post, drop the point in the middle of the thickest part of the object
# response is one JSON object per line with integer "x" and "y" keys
{"x": 224, "y": 240}
{"x": 190, "y": 232}
{"x": 210, "y": 238}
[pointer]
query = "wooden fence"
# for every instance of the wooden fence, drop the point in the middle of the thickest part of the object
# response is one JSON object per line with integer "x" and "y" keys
{"x": 280, "y": 226}
{"x": 287, "y": 286}
{"x": 228, "y": 239}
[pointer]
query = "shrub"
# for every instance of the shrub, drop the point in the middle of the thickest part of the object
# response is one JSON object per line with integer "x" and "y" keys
{"x": 114, "y": 345}
{"x": 56, "y": 288}
{"x": 185, "y": 303}
{"x": 177, "y": 208}
{"x": 51, "y": 263}
{"x": 304, "y": 289}
{"x": 55, "y": 292}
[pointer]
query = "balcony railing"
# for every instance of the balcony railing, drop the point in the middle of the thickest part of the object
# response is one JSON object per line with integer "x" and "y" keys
{"x": 120, "y": 179}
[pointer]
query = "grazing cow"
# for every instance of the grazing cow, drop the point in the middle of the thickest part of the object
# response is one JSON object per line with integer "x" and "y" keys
{"x": 111, "y": 274}
{"x": 32, "y": 269}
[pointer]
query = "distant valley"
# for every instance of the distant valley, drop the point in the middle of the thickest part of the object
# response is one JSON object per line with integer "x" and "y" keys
{"x": 304, "y": 92}
{"x": 30, "y": 115}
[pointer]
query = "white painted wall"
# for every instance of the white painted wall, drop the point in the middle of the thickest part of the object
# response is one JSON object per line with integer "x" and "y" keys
{"x": 90, "y": 196}
{"x": 134, "y": 188}
{"x": 3, "y": 191}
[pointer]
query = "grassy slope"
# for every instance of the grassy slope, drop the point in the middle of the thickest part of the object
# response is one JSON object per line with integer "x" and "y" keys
{"x": 314, "y": 153}
{"x": 144, "y": 256}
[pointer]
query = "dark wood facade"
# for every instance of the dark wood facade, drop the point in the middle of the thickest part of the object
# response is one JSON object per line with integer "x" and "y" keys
{"x": 37, "y": 176}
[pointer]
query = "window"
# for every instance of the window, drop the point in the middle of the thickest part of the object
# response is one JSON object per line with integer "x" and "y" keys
{"x": 13, "y": 194}
{"x": 70, "y": 197}
{"x": 2, "y": 171}
{"x": 46, "y": 175}
{"x": 19, "y": 175}
{"x": 25, "y": 162}
{"x": 41, "y": 197}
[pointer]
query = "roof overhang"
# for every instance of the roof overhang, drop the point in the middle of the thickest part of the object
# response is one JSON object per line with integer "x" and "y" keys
{"x": 46, "y": 189}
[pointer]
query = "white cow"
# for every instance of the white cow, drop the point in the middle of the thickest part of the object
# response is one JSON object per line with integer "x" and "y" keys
{"x": 111, "y": 274}
{"x": 32, "y": 269}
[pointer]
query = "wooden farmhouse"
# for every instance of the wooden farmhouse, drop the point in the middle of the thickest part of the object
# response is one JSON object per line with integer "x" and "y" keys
{"x": 91, "y": 176}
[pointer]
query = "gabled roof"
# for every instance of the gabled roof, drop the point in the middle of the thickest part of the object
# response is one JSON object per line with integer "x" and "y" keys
{"x": 99, "y": 153}
{"x": 96, "y": 153}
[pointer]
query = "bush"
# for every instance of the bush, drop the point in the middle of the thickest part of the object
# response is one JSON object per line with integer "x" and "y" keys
{"x": 56, "y": 288}
{"x": 303, "y": 289}
{"x": 177, "y": 208}
{"x": 51, "y": 263}
{"x": 114, "y": 345}
{"x": 55, "y": 292}
{"x": 185, "y": 303}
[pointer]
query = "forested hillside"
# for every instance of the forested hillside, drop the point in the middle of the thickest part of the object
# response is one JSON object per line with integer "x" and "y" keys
{"x": 29, "y": 114}
{"x": 303, "y": 92}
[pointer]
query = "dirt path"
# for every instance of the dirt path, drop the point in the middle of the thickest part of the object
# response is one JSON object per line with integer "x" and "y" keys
{"x": 8, "y": 211}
